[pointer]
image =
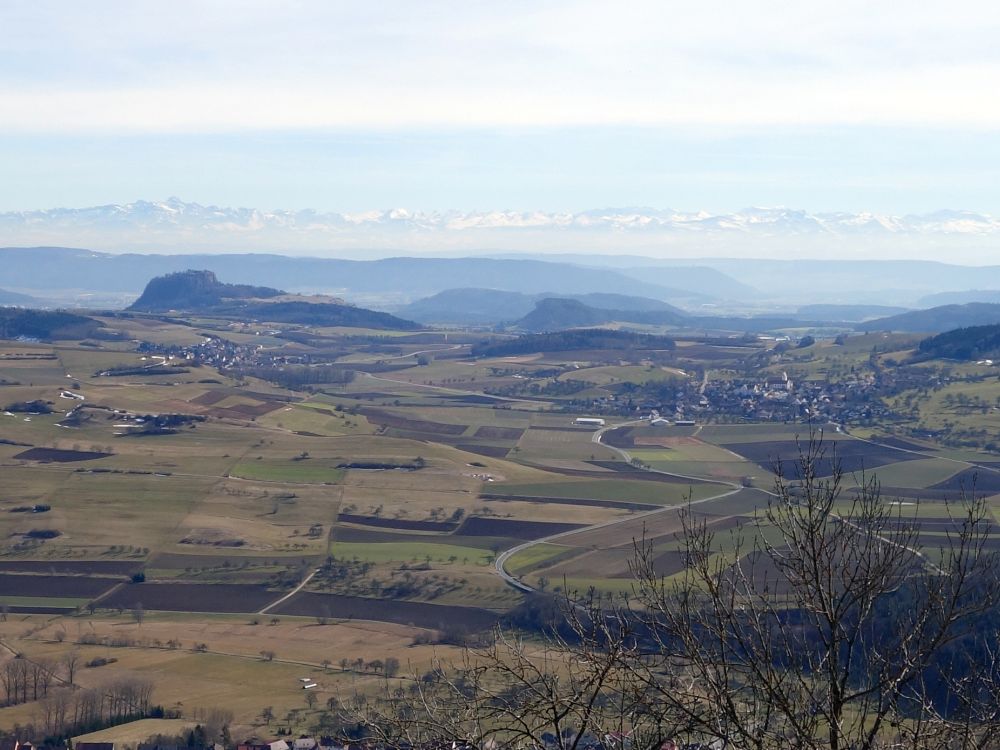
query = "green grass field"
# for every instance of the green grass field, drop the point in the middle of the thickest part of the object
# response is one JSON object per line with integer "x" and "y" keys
{"x": 306, "y": 471}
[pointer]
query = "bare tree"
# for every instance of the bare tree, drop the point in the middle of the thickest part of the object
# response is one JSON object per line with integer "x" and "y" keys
{"x": 824, "y": 630}
{"x": 819, "y": 623}
{"x": 567, "y": 690}
{"x": 70, "y": 663}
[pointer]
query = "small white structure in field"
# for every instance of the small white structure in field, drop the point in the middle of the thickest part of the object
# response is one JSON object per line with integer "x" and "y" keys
{"x": 589, "y": 421}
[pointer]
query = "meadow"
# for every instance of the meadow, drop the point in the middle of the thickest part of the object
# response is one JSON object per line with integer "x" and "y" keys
{"x": 367, "y": 517}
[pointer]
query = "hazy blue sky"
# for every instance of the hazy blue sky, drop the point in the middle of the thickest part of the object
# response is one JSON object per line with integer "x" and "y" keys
{"x": 521, "y": 105}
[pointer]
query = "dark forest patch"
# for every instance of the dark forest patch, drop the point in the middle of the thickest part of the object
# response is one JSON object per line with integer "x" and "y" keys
{"x": 620, "y": 437}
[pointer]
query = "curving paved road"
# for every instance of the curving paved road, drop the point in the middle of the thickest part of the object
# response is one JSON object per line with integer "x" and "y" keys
{"x": 503, "y": 557}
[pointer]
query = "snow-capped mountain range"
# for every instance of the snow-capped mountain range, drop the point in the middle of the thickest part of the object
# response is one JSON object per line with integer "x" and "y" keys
{"x": 178, "y": 224}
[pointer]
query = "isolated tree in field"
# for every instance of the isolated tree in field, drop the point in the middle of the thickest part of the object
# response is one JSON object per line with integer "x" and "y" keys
{"x": 267, "y": 714}
{"x": 391, "y": 668}
{"x": 71, "y": 662}
{"x": 311, "y": 699}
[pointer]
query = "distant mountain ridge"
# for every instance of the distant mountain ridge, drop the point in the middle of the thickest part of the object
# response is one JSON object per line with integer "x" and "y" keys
{"x": 848, "y": 312}
{"x": 201, "y": 291}
{"x": 937, "y": 319}
{"x": 991, "y": 296}
{"x": 69, "y": 268}
{"x": 14, "y": 298}
{"x": 555, "y": 314}
{"x": 174, "y": 219}
{"x": 490, "y": 306}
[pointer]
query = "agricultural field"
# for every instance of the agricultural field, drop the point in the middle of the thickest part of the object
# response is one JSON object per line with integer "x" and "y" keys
{"x": 184, "y": 519}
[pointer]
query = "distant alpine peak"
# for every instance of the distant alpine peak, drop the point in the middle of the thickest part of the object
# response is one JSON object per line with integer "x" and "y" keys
{"x": 755, "y": 220}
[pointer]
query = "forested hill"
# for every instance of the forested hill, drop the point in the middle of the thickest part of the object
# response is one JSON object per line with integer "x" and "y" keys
{"x": 557, "y": 313}
{"x": 473, "y": 306}
{"x": 974, "y": 343}
{"x": 575, "y": 340}
{"x": 937, "y": 319}
{"x": 44, "y": 324}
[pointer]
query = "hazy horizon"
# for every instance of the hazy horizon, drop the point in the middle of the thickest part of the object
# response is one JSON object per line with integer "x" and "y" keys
{"x": 553, "y": 107}
{"x": 175, "y": 226}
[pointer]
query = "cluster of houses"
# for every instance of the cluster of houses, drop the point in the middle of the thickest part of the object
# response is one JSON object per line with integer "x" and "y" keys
{"x": 777, "y": 398}
{"x": 302, "y": 743}
{"x": 214, "y": 351}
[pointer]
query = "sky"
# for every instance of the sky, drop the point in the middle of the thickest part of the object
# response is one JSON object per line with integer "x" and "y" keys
{"x": 469, "y": 105}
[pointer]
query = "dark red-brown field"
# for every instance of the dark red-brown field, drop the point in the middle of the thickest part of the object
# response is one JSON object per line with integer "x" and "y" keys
{"x": 499, "y": 433}
{"x": 852, "y": 455}
{"x": 481, "y": 526}
{"x": 490, "y": 451}
{"x": 380, "y": 417}
{"x": 72, "y": 567}
{"x": 419, "y": 614}
{"x": 191, "y": 597}
{"x": 69, "y": 587}
{"x": 56, "y": 455}
{"x": 973, "y": 481}
{"x": 397, "y": 523}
